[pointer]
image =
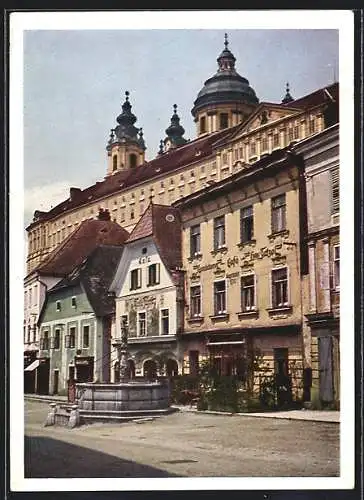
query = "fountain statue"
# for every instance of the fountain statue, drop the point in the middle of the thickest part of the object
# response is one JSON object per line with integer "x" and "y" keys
{"x": 126, "y": 399}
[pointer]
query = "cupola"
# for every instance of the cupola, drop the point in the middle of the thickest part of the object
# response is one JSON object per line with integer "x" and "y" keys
{"x": 226, "y": 99}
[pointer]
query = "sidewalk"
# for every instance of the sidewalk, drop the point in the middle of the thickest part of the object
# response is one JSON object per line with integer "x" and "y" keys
{"x": 310, "y": 415}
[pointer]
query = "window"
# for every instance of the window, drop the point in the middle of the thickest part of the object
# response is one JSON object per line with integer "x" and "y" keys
{"x": 44, "y": 342}
{"x": 335, "y": 191}
{"x": 246, "y": 224}
{"x": 58, "y": 305}
{"x": 132, "y": 160}
{"x": 57, "y": 339}
{"x": 336, "y": 270}
{"x": 290, "y": 134}
{"x": 114, "y": 163}
{"x": 279, "y": 287}
{"x": 135, "y": 279}
{"x": 220, "y": 297}
{"x": 153, "y": 274}
{"x": 86, "y": 337}
{"x": 279, "y": 213}
{"x": 248, "y": 293}
{"x": 203, "y": 125}
{"x": 70, "y": 339}
{"x": 224, "y": 159}
{"x": 311, "y": 126}
{"x": 29, "y": 331}
{"x": 264, "y": 144}
{"x": 241, "y": 152}
{"x": 142, "y": 321}
{"x": 195, "y": 299}
{"x": 224, "y": 120}
{"x": 73, "y": 302}
{"x": 195, "y": 240}
{"x": 131, "y": 214}
{"x": 219, "y": 232}
{"x": 236, "y": 156}
{"x": 296, "y": 132}
{"x": 252, "y": 148}
{"x": 275, "y": 140}
{"x": 165, "y": 321}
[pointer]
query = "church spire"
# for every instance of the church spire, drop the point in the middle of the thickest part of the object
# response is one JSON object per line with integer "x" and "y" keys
{"x": 175, "y": 131}
{"x": 287, "y": 98}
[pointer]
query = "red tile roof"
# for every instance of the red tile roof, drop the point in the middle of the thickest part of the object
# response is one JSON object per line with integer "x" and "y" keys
{"x": 79, "y": 244}
{"x": 168, "y": 162}
{"x": 315, "y": 98}
{"x": 162, "y": 223}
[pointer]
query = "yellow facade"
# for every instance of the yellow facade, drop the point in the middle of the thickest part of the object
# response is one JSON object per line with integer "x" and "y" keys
{"x": 246, "y": 146}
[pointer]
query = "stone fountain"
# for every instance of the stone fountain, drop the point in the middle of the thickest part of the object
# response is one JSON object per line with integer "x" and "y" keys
{"x": 126, "y": 399}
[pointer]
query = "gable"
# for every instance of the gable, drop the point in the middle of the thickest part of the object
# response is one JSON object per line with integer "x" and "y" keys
{"x": 264, "y": 116}
{"x": 134, "y": 257}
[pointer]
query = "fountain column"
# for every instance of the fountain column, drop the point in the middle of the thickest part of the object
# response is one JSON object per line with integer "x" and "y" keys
{"x": 121, "y": 344}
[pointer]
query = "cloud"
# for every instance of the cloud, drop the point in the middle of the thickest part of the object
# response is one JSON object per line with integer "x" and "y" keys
{"x": 44, "y": 198}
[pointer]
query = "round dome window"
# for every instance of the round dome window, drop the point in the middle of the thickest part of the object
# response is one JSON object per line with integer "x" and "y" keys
{"x": 170, "y": 218}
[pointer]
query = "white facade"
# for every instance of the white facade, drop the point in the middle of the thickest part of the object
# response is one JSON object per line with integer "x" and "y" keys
{"x": 35, "y": 289}
{"x": 147, "y": 298}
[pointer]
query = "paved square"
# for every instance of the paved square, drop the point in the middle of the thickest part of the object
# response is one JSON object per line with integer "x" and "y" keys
{"x": 182, "y": 444}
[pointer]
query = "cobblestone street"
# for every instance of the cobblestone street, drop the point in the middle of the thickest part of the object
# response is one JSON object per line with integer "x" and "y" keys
{"x": 182, "y": 444}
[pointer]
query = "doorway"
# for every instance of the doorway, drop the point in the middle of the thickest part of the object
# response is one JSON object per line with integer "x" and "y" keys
{"x": 281, "y": 376}
{"x": 325, "y": 369}
{"x": 43, "y": 377}
{"x": 55, "y": 381}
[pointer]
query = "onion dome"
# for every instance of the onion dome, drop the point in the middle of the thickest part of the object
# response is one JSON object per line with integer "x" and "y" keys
{"x": 226, "y": 85}
{"x": 287, "y": 98}
{"x": 175, "y": 131}
{"x": 141, "y": 141}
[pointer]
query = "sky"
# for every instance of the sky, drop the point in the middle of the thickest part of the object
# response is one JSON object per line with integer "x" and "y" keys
{"x": 75, "y": 83}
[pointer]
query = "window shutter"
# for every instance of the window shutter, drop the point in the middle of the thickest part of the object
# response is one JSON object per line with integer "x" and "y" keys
{"x": 157, "y": 273}
{"x": 335, "y": 191}
{"x": 139, "y": 274}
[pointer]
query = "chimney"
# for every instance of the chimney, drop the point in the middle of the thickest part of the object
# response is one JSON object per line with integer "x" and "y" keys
{"x": 74, "y": 192}
{"x": 103, "y": 214}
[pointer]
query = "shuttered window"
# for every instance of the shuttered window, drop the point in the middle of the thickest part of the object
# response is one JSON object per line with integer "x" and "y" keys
{"x": 153, "y": 274}
{"x": 335, "y": 191}
{"x": 135, "y": 279}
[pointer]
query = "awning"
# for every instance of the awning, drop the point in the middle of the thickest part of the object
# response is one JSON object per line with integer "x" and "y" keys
{"x": 32, "y": 366}
{"x": 232, "y": 342}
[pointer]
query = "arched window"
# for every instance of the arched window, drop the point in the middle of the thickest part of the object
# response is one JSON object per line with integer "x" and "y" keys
{"x": 132, "y": 160}
{"x": 114, "y": 163}
{"x": 150, "y": 369}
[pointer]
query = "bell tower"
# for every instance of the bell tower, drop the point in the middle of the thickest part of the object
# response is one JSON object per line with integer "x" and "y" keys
{"x": 126, "y": 146}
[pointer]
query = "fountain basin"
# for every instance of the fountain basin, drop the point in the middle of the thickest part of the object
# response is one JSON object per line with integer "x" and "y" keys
{"x": 123, "y": 401}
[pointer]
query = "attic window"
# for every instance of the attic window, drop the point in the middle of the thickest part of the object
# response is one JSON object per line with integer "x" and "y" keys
{"x": 158, "y": 169}
{"x": 58, "y": 305}
{"x": 73, "y": 302}
{"x": 144, "y": 250}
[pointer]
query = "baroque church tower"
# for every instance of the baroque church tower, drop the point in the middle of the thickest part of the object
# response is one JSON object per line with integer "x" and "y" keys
{"x": 126, "y": 146}
{"x": 226, "y": 99}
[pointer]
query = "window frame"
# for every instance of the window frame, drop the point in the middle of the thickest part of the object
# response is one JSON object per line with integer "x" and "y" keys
{"x": 195, "y": 237}
{"x": 164, "y": 317}
{"x": 217, "y": 311}
{"x": 145, "y": 324}
{"x": 84, "y": 346}
{"x": 243, "y": 222}
{"x": 217, "y": 231}
{"x": 336, "y": 267}
{"x": 252, "y": 307}
{"x": 57, "y": 339}
{"x": 58, "y": 306}
{"x": 278, "y": 214}
{"x": 193, "y": 299}
{"x": 274, "y": 295}
{"x": 135, "y": 284}
{"x": 156, "y": 280}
